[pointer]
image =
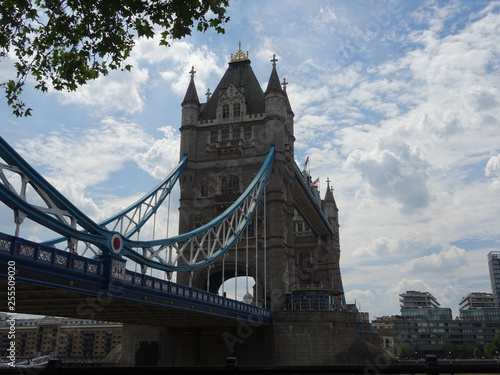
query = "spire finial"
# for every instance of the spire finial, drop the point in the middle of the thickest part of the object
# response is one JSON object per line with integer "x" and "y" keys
{"x": 274, "y": 59}
{"x": 284, "y": 83}
{"x": 208, "y": 94}
{"x": 192, "y": 72}
{"x": 239, "y": 56}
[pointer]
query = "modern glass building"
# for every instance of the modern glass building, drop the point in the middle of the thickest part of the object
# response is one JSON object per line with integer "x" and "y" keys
{"x": 426, "y": 328}
{"x": 494, "y": 266}
{"x": 422, "y": 305}
{"x": 479, "y": 306}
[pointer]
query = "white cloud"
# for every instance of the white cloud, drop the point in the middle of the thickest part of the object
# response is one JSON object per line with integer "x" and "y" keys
{"x": 443, "y": 261}
{"x": 162, "y": 156}
{"x": 493, "y": 167}
{"x": 390, "y": 175}
{"x": 179, "y": 60}
{"x": 112, "y": 93}
{"x": 74, "y": 160}
{"x": 359, "y": 297}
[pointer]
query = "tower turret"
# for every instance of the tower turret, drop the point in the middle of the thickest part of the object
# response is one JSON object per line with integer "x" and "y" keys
{"x": 275, "y": 97}
{"x": 330, "y": 205}
{"x": 190, "y": 114}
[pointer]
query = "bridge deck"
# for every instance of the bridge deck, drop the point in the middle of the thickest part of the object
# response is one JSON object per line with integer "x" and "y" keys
{"x": 54, "y": 282}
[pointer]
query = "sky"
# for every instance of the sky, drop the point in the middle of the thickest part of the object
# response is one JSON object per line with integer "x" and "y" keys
{"x": 395, "y": 101}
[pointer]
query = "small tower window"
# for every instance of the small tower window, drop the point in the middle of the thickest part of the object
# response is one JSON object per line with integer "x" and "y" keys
{"x": 225, "y": 135}
{"x": 248, "y": 133}
{"x": 214, "y": 137}
{"x": 204, "y": 190}
{"x": 230, "y": 185}
{"x": 225, "y": 111}
{"x": 236, "y": 110}
{"x": 236, "y": 134}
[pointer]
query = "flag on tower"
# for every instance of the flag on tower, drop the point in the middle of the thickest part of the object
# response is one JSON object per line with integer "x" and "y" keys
{"x": 316, "y": 181}
{"x": 305, "y": 164}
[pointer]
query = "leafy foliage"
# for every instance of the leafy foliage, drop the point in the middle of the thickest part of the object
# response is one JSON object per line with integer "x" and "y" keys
{"x": 404, "y": 352}
{"x": 66, "y": 43}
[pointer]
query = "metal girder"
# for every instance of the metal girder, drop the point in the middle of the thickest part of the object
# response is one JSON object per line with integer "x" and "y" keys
{"x": 185, "y": 252}
{"x": 132, "y": 219}
{"x": 58, "y": 214}
{"x": 204, "y": 245}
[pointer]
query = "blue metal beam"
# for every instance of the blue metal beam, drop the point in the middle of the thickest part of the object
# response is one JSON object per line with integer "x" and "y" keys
{"x": 49, "y": 267}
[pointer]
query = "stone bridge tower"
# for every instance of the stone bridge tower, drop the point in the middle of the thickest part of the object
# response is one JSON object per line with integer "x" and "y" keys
{"x": 227, "y": 139}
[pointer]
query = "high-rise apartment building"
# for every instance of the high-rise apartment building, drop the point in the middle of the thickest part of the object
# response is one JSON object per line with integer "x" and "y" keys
{"x": 494, "y": 266}
{"x": 426, "y": 328}
{"x": 479, "y": 306}
{"x": 422, "y": 305}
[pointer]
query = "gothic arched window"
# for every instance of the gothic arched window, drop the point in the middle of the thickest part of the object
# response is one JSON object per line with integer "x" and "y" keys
{"x": 225, "y": 111}
{"x": 236, "y": 110}
{"x": 230, "y": 185}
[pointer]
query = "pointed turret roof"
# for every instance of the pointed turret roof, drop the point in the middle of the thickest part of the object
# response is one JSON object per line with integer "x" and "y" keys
{"x": 329, "y": 195}
{"x": 274, "y": 85}
{"x": 191, "y": 96}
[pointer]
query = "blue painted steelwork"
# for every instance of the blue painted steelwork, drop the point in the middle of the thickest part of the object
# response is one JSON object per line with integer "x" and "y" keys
{"x": 55, "y": 201}
{"x": 186, "y": 252}
{"x": 210, "y": 241}
{"x": 94, "y": 275}
{"x": 132, "y": 219}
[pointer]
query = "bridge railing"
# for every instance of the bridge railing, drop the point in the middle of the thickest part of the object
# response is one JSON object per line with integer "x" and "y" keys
{"x": 24, "y": 249}
{"x": 28, "y": 252}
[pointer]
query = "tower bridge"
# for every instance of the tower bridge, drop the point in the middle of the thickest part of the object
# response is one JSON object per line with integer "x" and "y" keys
{"x": 246, "y": 209}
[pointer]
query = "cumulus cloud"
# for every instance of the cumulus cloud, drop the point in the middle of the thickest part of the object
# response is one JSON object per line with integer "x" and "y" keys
{"x": 74, "y": 160}
{"x": 162, "y": 155}
{"x": 384, "y": 246}
{"x": 390, "y": 175}
{"x": 125, "y": 91}
{"x": 112, "y": 93}
{"x": 181, "y": 57}
{"x": 492, "y": 168}
{"x": 451, "y": 257}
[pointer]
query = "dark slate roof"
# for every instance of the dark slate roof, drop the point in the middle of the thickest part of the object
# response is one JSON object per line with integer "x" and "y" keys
{"x": 329, "y": 196}
{"x": 274, "y": 85}
{"x": 191, "y": 94}
{"x": 240, "y": 74}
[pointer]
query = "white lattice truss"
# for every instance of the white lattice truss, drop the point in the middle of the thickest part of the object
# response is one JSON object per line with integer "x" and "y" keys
{"x": 206, "y": 244}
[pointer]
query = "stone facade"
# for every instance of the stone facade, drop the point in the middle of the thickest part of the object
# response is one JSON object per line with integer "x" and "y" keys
{"x": 226, "y": 140}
